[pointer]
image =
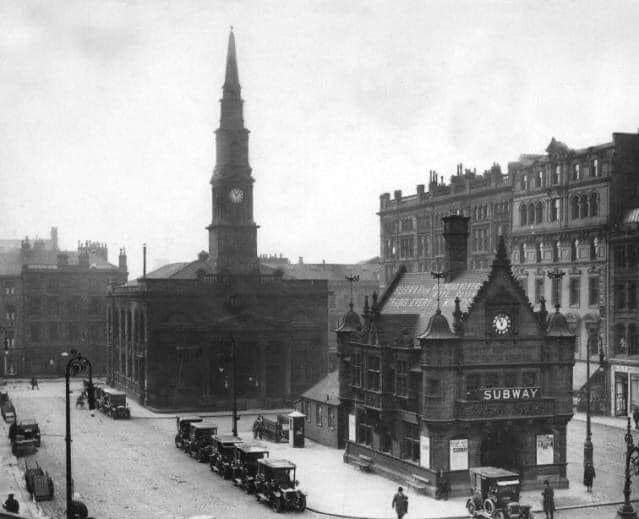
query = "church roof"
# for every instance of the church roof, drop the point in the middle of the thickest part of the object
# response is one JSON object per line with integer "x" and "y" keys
{"x": 326, "y": 390}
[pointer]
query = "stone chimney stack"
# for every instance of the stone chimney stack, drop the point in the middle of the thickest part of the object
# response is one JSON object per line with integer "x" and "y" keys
{"x": 456, "y": 237}
{"x": 54, "y": 238}
{"x": 122, "y": 267}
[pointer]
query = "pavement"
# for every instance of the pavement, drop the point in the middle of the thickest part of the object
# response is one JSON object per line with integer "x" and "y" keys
{"x": 170, "y": 485}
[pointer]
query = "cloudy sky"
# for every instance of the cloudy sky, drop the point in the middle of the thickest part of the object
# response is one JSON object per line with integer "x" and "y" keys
{"x": 108, "y": 109}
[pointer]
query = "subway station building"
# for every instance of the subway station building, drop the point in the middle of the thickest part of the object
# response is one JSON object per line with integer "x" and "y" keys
{"x": 456, "y": 372}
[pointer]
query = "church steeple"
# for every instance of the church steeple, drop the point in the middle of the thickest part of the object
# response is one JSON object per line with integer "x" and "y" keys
{"x": 232, "y": 233}
{"x": 232, "y": 78}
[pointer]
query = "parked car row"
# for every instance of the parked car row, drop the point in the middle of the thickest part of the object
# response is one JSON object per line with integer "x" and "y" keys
{"x": 25, "y": 440}
{"x": 247, "y": 464}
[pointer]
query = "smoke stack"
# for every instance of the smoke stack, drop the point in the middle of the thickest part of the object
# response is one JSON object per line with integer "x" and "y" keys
{"x": 122, "y": 266}
{"x": 54, "y": 238}
{"x": 456, "y": 237}
{"x": 144, "y": 260}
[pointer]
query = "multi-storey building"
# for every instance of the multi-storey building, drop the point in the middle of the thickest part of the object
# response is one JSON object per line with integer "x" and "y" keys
{"x": 495, "y": 389}
{"x": 623, "y": 360}
{"x": 187, "y": 334}
{"x": 53, "y": 301}
{"x": 565, "y": 205}
{"x": 411, "y": 228}
{"x": 346, "y": 283}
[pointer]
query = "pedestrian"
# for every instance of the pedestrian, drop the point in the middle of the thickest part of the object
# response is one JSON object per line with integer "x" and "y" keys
{"x": 548, "y": 496}
{"x": 256, "y": 425}
{"x": 11, "y": 504}
{"x": 260, "y": 426}
{"x": 589, "y": 475}
{"x": 635, "y": 417}
{"x": 400, "y": 503}
{"x": 34, "y": 383}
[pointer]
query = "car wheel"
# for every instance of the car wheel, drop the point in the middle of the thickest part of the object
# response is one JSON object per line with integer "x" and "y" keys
{"x": 499, "y": 515}
{"x": 489, "y": 506}
{"x": 301, "y": 506}
{"x": 470, "y": 506}
{"x": 276, "y": 505}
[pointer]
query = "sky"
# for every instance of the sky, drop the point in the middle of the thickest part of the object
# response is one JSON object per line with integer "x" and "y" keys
{"x": 109, "y": 107}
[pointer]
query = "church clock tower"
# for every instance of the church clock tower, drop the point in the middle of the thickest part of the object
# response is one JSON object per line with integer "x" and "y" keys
{"x": 232, "y": 233}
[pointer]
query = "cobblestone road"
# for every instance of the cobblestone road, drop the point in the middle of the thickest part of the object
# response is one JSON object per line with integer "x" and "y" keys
{"x": 131, "y": 469}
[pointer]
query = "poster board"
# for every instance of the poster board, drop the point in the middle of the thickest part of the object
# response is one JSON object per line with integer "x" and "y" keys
{"x": 424, "y": 451}
{"x": 545, "y": 449}
{"x": 352, "y": 428}
{"x": 458, "y": 454}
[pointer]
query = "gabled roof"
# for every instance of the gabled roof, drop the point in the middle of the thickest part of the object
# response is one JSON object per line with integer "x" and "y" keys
{"x": 416, "y": 294}
{"x": 325, "y": 391}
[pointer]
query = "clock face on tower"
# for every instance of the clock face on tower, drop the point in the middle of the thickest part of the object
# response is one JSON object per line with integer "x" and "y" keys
{"x": 502, "y": 323}
{"x": 236, "y": 195}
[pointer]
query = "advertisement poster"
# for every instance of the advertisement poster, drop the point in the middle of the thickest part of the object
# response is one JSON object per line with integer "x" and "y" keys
{"x": 424, "y": 451}
{"x": 459, "y": 454}
{"x": 545, "y": 449}
{"x": 351, "y": 428}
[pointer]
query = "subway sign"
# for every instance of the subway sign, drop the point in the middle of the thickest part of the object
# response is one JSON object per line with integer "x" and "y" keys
{"x": 509, "y": 393}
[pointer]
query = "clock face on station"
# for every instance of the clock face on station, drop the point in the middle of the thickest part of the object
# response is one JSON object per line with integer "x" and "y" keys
{"x": 236, "y": 195}
{"x": 502, "y": 323}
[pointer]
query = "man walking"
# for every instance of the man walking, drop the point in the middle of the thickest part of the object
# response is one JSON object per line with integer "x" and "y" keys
{"x": 400, "y": 503}
{"x": 548, "y": 496}
{"x": 34, "y": 383}
{"x": 589, "y": 475}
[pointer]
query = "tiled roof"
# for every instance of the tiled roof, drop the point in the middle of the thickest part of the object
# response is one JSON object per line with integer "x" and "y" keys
{"x": 329, "y": 271}
{"x": 416, "y": 293}
{"x": 166, "y": 271}
{"x": 326, "y": 390}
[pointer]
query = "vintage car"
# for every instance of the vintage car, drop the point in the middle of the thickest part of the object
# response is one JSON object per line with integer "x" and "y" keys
{"x": 221, "y": 458}
{"x": 275, "y": 485}
{"x": 198, "y": 443}
{"x": 244, "y": 466}
{"x": 6, "y": 407}
{"x": 39, "y": 483}
{"x": 25, "y": 437}
{"x": 183, "y": 423}
{"x": 495, "y": 494}
{"x": 114, "y": 403}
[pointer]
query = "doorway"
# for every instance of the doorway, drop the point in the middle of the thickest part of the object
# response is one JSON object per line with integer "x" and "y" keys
{"x": 621, "y": 394}
{"x": 500, "y": 447}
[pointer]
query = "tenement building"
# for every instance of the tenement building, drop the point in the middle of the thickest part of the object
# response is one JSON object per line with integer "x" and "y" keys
{"x": 411, "y": 226}
{"x": 447, "y": 374}
{"x": 193, "y": 334}
{"x": 53, "y": 301}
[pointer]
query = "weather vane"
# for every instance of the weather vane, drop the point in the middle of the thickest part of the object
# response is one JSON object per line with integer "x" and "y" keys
{"x": 438, "y": 276}
{"x": 351, "y": 280}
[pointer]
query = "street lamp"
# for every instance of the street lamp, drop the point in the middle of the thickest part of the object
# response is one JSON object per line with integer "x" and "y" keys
{"x": 223, "y": 359}
{"x": 593, "y": 339}
{"x": 76, "y": 364}
{"x": 632, "y": 458}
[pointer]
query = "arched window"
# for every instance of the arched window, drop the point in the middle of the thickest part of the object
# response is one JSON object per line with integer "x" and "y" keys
{"x": 594, "y": 204}
{"x": 593, "y": 249}
{"x": 531, "y": 214}
{"x": 556, "y": 174}
{"x": 539, "y": 212}
{"x": 539, "y": 179}
{"x": 524, "y": 182}
{"x": 538, "y": 252}
{"x": 555, "y": 251}
{"x": 522, "y": 214}
{"x": 573, "y": 250}
{"x": 522, "y": 253}
{"x": 620, "y": 339}
{"x": 583, "y": 206}
{"x": 574, "y": 207}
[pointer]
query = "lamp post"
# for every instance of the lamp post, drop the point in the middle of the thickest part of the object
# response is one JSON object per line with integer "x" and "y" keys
{"x": 593, "y": 337}
{"x": 556, "y": 275}
{"x": 632, "y": 457}
{"x": 76, "y": 364}
{"x": 223, "y": 359}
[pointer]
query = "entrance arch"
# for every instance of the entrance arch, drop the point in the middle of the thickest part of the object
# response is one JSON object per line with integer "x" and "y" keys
{"x": 500, "y": 447}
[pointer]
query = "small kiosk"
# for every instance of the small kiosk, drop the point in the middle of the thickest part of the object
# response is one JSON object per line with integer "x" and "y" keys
{"x": 296, "y": 429}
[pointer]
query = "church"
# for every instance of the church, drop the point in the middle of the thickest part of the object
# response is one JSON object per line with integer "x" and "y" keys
{"x": 187, "y": 334}
{"x": 451, "y": 370}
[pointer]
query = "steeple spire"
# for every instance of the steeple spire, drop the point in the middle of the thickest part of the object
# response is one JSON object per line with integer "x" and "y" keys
{"x": 232, "y": 78}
